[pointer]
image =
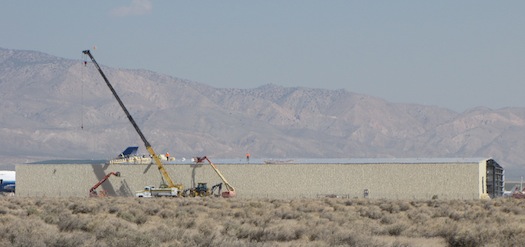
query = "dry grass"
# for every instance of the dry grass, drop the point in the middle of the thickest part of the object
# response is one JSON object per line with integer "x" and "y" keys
{"x": 265, "y": 222}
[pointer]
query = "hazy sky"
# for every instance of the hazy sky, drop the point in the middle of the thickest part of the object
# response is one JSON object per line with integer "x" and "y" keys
{"x": 454, "y": 54}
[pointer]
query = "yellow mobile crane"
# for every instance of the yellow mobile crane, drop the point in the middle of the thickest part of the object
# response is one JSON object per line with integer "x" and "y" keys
{"x": 168, "y": 188}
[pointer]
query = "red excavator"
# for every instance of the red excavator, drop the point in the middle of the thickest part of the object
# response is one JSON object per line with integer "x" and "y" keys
{"x": 102, "y": 193}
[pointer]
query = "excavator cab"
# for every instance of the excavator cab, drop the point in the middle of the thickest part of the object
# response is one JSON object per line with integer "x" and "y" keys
{"x": 202, "y": 189}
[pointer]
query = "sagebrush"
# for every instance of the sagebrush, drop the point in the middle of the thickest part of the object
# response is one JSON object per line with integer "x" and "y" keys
{"x": 117, "y": 221}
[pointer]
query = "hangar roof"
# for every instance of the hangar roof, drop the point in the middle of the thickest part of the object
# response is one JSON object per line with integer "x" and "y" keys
{"x": 355, "y": 161}
{"x": 301, "y": 161}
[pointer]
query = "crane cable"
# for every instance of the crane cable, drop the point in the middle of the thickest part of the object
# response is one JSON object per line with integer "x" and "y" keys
{"x": 82, "y": 79}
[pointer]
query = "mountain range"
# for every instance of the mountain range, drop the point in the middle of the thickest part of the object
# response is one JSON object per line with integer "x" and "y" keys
{"x": 57, "y": 108}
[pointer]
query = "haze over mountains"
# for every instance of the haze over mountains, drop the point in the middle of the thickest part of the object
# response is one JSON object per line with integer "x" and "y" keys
{"x": 52, "y": 107}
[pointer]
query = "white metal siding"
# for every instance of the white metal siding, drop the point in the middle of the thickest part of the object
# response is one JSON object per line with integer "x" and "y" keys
{"x": 394, "y": 181}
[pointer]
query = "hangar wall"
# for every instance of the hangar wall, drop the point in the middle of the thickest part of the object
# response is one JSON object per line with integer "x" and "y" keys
{"x": 391, "y": 181}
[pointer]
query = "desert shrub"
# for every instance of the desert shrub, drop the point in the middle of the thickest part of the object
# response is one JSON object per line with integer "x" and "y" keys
{"x": 126, "y": 239}
{"x": 234, "y": 242}
{"x": 133, "y": 215}
{"x": 396, "y": 229}
{"x": 216, "y": 203}
{"x": 328, "y": 215}
{"x": 417, "y": 204}
{"x": 466, "y": 236}
{"x": 5, "y": 222}
{"x": 53, "y": 210}
{"x": 434, "y": 203}
{"x": 198, "y": 239}
{"x": 442, "y": 211}
{"x": 120, "y": 233}
{"x": 345, "y": 240}
{"x": 390, "y": 207}
{"x": 432, "y": 228}
{"x": 488, "y": 205}
{"x": 152, "y": 210}
{"x": 387, "y": 219}
{"x": 464, "y": 239}
{"x": 50, "y": 218}
{"x": 506, "y": 209}
{"x": 111, "y": 227}
{"x": 351, "y": 238}
{"x": 259, "y": 221}
{"x": 252, "y": 222}
{"x": 455, "y": 215}
{"x": 404, "y": 206}
{"x": 186, "y": 222}
{"x": 419, "y": 215}
{"x": 199, "y": 209}
{"x": 164, "y": 233}
{"x": 126, "y": 215}
{"x": 40, "y": 202}
{"x": 362, "y": 202}
{"x": 113, "y": 209}
{"x": 68, "y": 223}
{"x": 511, "y": 235}
{"x": 239, "y": 213}
{"x": 309, "y": 207}
{"x": 31, "y": 210}
{"x": 284, "y": 233}
{"x": 287, "y": 213}
{"x": 399, "y": 243}
{"x": 475, "y": 213}
{"x": 30, "y": 232}
{"x": 207, "y": 226}
{"x": 512, "y": 209}
{"x": 276, "y": 203}
{"x": 140, "y": 219}
{"x": 83, "y": 207}
{"x": 499, "y": 218}
{"x": 236, "y": 204}
{"x": 15, "y": 202}
{"x": 372, "y": 212}
{"x": 339, "y": 207}
{"x": 255, "y": 204}
{"x": 166, "y": 214}
{"x": 250, "y": 232}
{"x": 230, "y": 228}
{"x": 321, "y": 233}
{"x": 77, "y": 239}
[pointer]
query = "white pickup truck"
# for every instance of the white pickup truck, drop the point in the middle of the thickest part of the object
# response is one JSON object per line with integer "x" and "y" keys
{"x": 151, "y": 191}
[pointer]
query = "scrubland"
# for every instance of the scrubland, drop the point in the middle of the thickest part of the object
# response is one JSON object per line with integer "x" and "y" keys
{"x": 115, "y": 221}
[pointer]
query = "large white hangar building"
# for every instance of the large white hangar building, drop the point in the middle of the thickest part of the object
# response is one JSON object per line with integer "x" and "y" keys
{"x": 471, "y": 178}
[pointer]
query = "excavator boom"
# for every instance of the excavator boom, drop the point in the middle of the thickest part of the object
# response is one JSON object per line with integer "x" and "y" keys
{"x": 92, "y": 191}
{"x": 165, "y": 176}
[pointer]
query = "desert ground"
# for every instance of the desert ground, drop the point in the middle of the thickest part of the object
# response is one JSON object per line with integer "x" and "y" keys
{"x": 120, "y": 221}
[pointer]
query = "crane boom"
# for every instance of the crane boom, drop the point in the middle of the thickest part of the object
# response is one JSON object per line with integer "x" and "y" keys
{"x": 167, "y": 179}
